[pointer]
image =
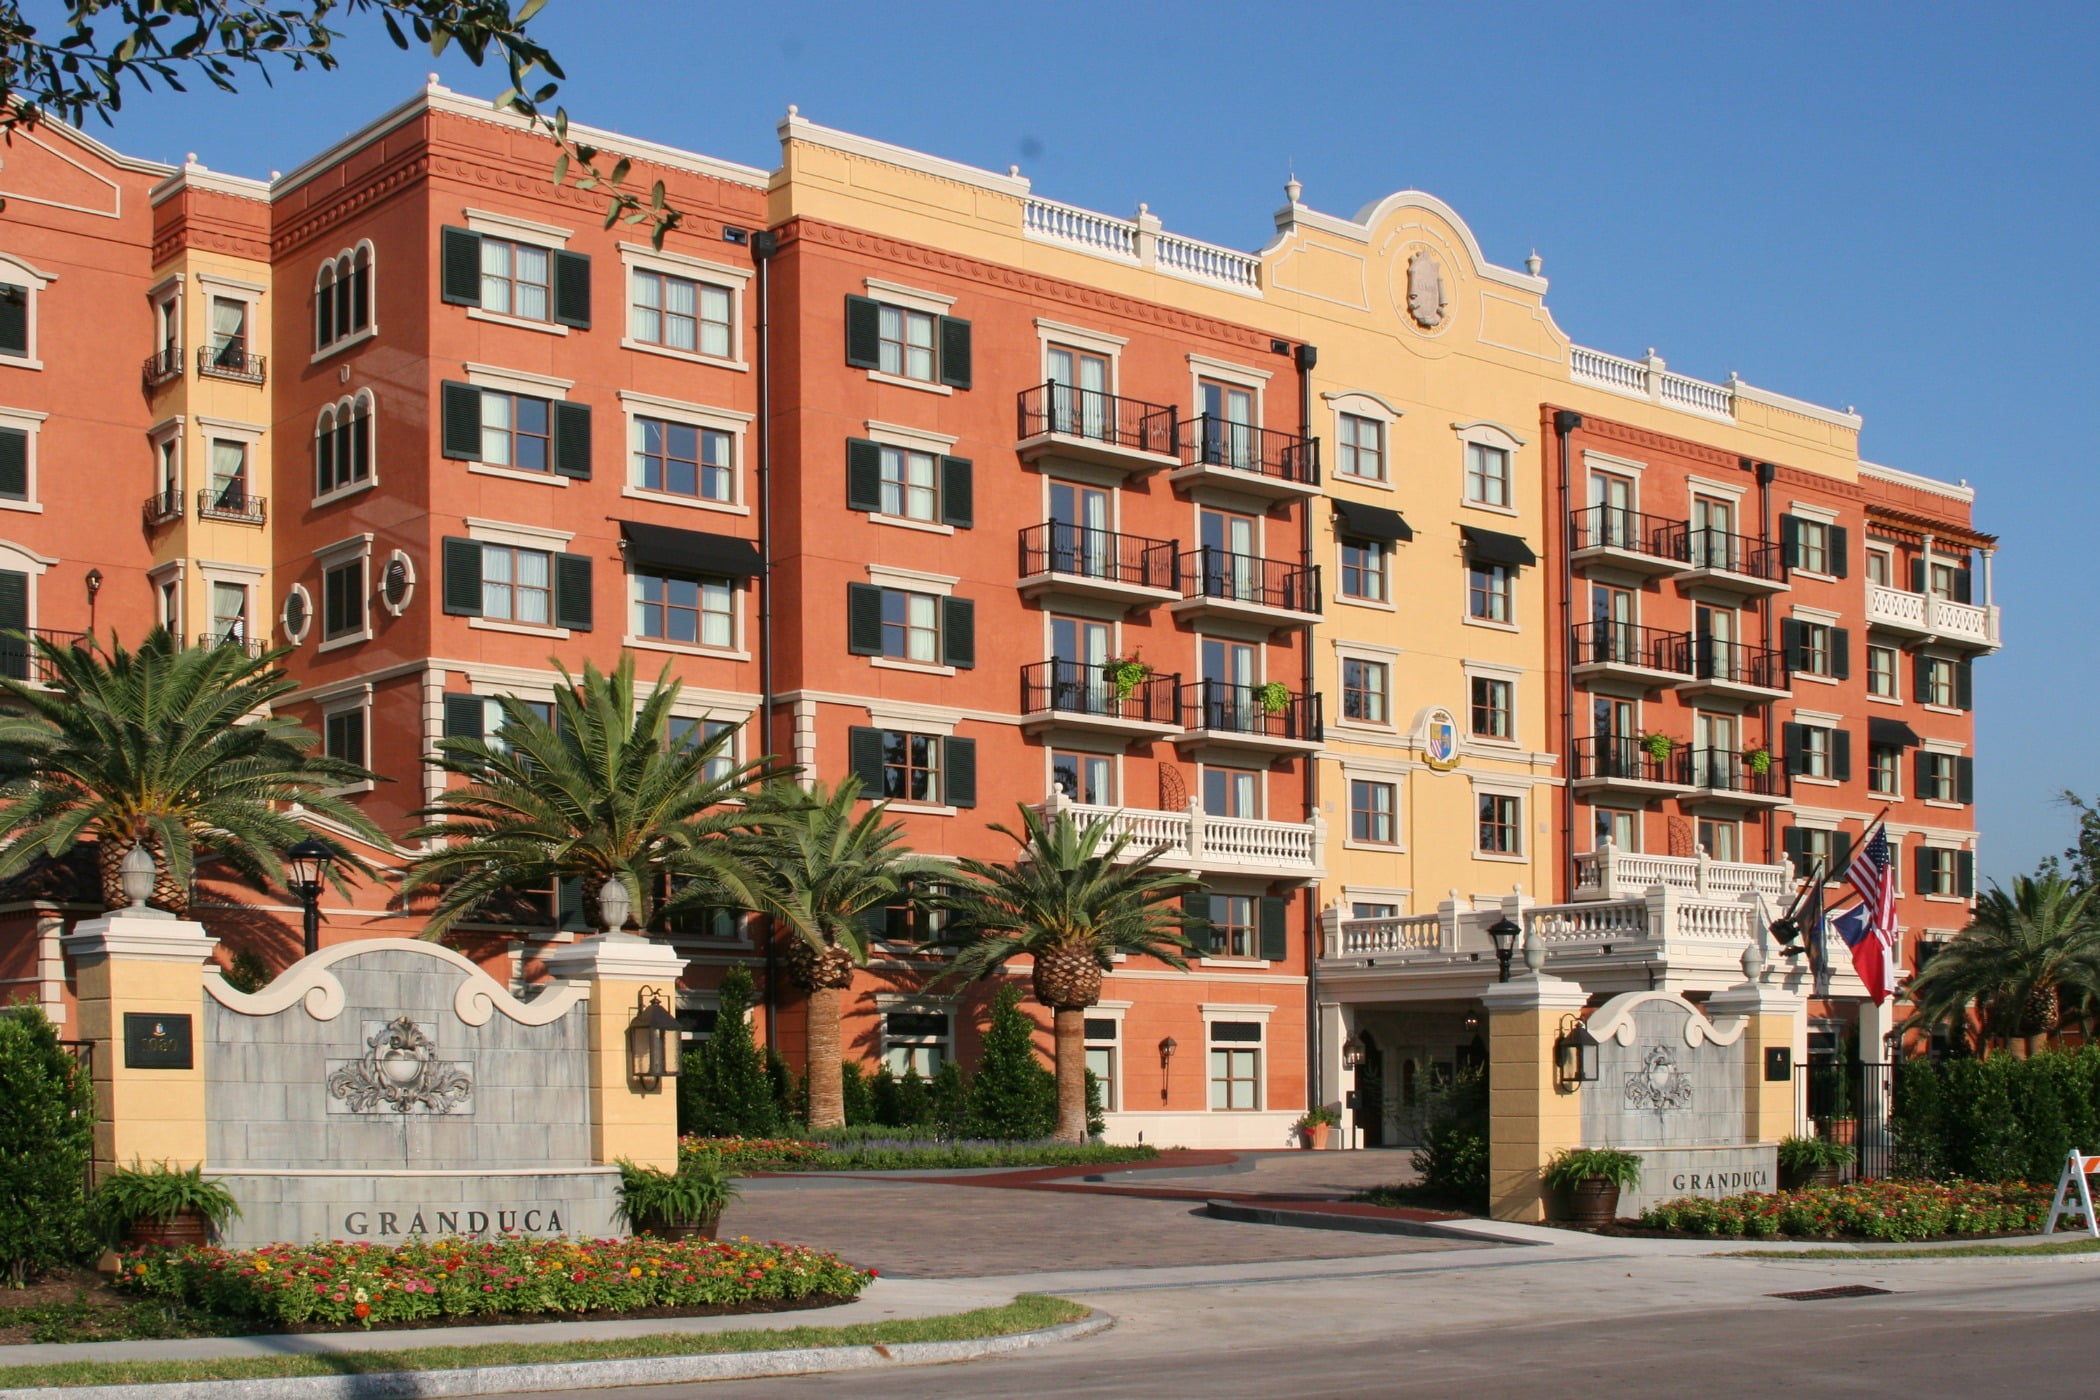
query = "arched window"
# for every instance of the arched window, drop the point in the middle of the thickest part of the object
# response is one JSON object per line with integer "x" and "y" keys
{"x": 343, "y": 444}
{"x": 343, "y": 296}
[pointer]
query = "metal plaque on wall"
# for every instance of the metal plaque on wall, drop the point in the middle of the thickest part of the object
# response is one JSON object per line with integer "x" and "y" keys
{"x": 154, "y": 1041}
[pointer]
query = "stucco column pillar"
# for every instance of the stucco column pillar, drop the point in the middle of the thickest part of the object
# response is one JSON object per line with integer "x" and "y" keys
{"x": 1771, "y": 1016}
{"x": 147, "y": 965}
{"x": 1530, "y": 1117}
{"x": 633, "y": 1119}
{"x": 1331, "y": 1085}
{"x": 1876, "y": 1023}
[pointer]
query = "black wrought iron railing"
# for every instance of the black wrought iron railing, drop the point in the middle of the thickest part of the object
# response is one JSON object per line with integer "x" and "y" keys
{"x": 1724, "y": 770}
{"x": 231, "y": 360}
{"x": 1710, "y": 659}
{"x": 252, "y": 645}
{"x": 162, "y": 365}
{"x": 1083, "y": 552}
{"x": 1248, "y": 578}
{"x": 1630, "y": 644}
{"x": 1084, "y": 688}
{"x": 1100, "y": 417}
{"x": 1614, "y": 756}
{"x": 163, "y": 507}
{"x": 1615, "y": 527}
{"x": 1254, "y": 710}
{"x": 1699, "y": 547}
{"x": 230, "y": 503}
{"x": 20, "y": 660}
{"x": 1209, "y": 441}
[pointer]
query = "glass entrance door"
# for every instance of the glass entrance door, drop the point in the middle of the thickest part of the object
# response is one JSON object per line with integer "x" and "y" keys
{"x": 1079, "y": 646}
{"x": 1079, "y": 534}
{"x": 1228, "y": 690}
{"x": 1079, "y": 393}
{"x": 1231, "y": 567}
{"x": 1228, "y": 419}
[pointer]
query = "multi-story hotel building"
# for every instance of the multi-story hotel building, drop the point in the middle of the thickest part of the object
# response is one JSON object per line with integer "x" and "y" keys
{"x": 1336, "y": 571}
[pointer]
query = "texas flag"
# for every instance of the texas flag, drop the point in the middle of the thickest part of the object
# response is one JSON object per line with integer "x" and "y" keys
{"x": 1870, "y": 953}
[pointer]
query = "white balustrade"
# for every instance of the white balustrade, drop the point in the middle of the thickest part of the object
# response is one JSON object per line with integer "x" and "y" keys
{"x": 1616, "y": 922}
{"x": 1965, "y": 622}
{"x": 1714, "y": 400}
{"x": 1647, "y": 379}
{"x": 1208, "y": 262}
{"x": 1409, "y": 933}
{"x": 1730, "y": 922}
{"x": 1066, "y": 223}
{"x": 1896, "y": 607}
{"x": 1194, "y": 838}
{"x": 1610, "y": 873}
{"x": 1608, "y": 371}
{"x": 1941, "y": 617}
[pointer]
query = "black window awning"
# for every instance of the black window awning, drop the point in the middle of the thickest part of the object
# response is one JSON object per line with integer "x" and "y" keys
{"x": 690, "y": 551}
{"x": 1370, "y": 522}
{"x": 1891, "y": 732}
{"x": 1492, "y": 547}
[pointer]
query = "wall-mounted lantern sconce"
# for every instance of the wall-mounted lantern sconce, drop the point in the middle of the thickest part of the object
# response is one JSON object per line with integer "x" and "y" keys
{"x": 1574, "y": 1054}
{"x": 1505, "y": 933}
{"x": 652, "y": 1040}
{"x": 1352, "y": 1054}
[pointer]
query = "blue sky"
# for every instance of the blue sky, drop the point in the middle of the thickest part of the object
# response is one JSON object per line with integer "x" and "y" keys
{"x": 1888, "y": 206}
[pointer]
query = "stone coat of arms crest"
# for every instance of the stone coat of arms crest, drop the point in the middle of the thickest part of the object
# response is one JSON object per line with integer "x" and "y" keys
{"x": 1658, "y": 1086}
{"x": 400, "y": 1072}
{"x": 1427, "y": 299}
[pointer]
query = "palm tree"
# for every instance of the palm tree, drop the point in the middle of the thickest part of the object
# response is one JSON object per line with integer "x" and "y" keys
{"x": 1071, "y": 901}
{"x": 822, "y": 872}
{"x": 2020, "y": 956}
{"x": 175, "y": 747}
{"x": 598, "y": 792}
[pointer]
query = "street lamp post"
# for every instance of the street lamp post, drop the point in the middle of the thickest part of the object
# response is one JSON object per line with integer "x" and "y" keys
{"x": 307, "y": 864}
{"x": 1505, "y": 933}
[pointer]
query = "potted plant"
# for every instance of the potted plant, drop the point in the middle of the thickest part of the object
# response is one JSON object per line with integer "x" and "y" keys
{"x": 1126, "y": 673}
{"x": 680, "y": 1205}
{"x": 1273, "y": 698}
{"x": 1313, "y": 1125}
{"x": 1759, "y": 759}
{"x": 1589, "y": 1179}
{"x": 163, "y": 1205}
{"x": 1658, "y": 746}
{"x": 1812, "y": 1161}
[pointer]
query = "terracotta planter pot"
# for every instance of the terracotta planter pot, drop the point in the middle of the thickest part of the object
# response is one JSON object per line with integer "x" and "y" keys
{"x": 704, "y": 1230}
{"x": 1799, "y": 1178}
{"x": 1314, "y": 1138}
{"x": 1592, "y": 1202}
{"x": 186, "y": 1228}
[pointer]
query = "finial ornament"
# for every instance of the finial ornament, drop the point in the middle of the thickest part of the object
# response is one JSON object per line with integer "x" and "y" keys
{"x": 1534, "y": 263}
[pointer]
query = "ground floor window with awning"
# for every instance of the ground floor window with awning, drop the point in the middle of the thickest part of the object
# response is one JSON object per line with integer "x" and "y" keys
{"x": 685, "y": 582}
{"x": 1492, "y": 561}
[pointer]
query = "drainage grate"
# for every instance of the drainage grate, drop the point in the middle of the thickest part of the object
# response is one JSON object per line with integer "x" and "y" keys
{"x": 1844, "y": 1290}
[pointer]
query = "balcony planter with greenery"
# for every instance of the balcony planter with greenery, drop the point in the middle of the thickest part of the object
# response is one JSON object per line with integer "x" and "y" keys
{"x": 162, "y": 1205}
{"x": 1126, "y": 674}
{"x": 1313, "y": 1125}
{"x": 1589, "y": 1180}
{"x": 1758, "y": 760}
{"x": 1273, "y": 698}
{"x": 1658, "y": 746}
{"x": 1812, "y": 1161}
{"x": 683, "y": 1205}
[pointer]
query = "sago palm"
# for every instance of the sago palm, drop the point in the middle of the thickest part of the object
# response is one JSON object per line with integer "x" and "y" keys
{"x": 821, "y": 872}
{"x": 598, "y": 792}
{"x": 171, "y": 746}
{"x": 2021, "y": 954}
{"x": 1073, "y": 898}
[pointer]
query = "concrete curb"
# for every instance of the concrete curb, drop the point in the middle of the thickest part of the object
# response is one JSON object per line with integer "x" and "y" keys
{"x": 581, "y": 1375}
{"x": 1364, "y": 1224}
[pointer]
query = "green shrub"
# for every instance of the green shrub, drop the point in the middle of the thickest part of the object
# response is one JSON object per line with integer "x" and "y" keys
{"x": 1013, "y": 1095}
{"x": 724, "y": 1089}
{"x": 1807, "y": 1154}
{"x": 1575, "y": 1165}
{"x": 1096, "y": 1115}
{"x": 855, "y": 1091}
{"x": 47, "y": 1135}
{"x": 947, "y": 1100}
{"x": 247, "y": 972}
{"x": 2001, "y": 1119}
{"x": 160, "y": 1193}
{"x": 1453, "y": 1162}
{"x": 695, "y": 1194}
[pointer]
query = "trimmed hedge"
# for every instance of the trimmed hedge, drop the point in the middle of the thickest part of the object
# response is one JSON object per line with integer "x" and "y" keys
{"x": 47, "y": 1135}
{"x": 2000, "y": 1119}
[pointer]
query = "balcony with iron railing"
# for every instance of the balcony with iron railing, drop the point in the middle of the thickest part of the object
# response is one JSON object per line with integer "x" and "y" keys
{"x": 1088, "y": 425}
{"x": 230, "y": 360}
{"x": 1270, "y": 717}
{"x": 1721, "y": 560}
{"x": 1627, "y": 540}
{"x": 1084, "y": 696}
{"x": 1247, "y": 459}
{"x": 1078, "y": 561}
{"x": 163, "y": 508}
{"x": 1929, "y": 617}
{"x": 1616, "y": 763}
{"x": 1723, "y": 775}
{"x": 20, "y": 658}
{"x": 231, "y": 503}
{"x": 162, "y": 366}
{"x": 1274, "y": 592}
{"x": 1709, "y": 667}
{"x": 1627, "y": 651}
{"x": 232, "y": 638}
{"x": 1194, "y": 840}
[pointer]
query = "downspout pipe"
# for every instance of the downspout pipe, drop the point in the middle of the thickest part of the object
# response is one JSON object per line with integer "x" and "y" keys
{"x": 1565, "y": 422}
{"x": 1305, "y": 357}
{"x": 764, "y": 244}
{"x": 1766, "y": 473}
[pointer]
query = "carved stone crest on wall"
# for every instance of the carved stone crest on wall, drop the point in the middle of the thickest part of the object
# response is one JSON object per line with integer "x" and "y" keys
{"x": 1427, "y": 299}
{"x": 399, "y": 1072}
{"x": 1659, "y": 1085}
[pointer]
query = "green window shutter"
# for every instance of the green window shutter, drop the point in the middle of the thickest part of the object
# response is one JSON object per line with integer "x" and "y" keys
{"x": 1275, "y": 928}
{"x": 863, "y": 474}
{"x": 959, "y": 775}
{"x": 1964, "y": 686}
{"x": 1790, "y": 645}
{"x": 959, "y": 633}
{"x": 1917, "y": 575}
{"x": 1921, "y": 771}
{"x": 464, "y": 716}
{"x": 572, "y": 440}
{"x": 1790, "y": 839}
{"x": 572, "y": 289}
{"x": 863, "y": 333}
{"x": 863, "y": 619}
{"x": 460, "y": 434}
{"x": 1841, "y": 755}
{"x": 1790, "y": 540}
{"x": 14, "y": 319}
{"x": 957, "y": 496}
{"x": 1840, "y": 853}
{"x": 1962, "y": 586}
{"x": 1195, "y": 913}
{"x": 1918, "y": 673}
{"x": 1965, "y": 873}
{"x": 568, "y": 902}
{"x": 864, "y": 753}
{"x": 462, "y": 583}
{"x": 1921, "y": 868}
{"x": 14, "y": 617}
{"x": 1839, "y": 538}
{"x": 1791, "y": 739}
{"x": 1841, "y": 653}
{"x": 955, "y": 353}
{"x": 1965, "y": 781}
{"x": 572, "y": 591}
{"x": 14, "y": 464}
{"x": 460, "y": 267}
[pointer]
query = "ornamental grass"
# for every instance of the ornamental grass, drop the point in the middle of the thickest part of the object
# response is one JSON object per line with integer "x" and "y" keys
{"x": 1866, "y": 1210}
{"x": 390, "y": 1285}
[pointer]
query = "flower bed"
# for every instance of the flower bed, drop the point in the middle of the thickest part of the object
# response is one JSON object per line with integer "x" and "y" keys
{"x": 381, "y": 1285}
{"x": 905, "y": 1154}
{"x": 1869, "y": 1210}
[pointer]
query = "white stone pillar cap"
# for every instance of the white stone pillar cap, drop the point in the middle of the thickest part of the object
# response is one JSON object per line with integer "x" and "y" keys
{"x": 618, "y": 956}
{"x": 1535, "y": 991}
{"x": 140, "y": 938}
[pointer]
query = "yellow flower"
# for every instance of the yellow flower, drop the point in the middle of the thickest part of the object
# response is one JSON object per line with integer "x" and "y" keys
{"x": 635, "y": 1272}
{"x": 262, "y": 1266}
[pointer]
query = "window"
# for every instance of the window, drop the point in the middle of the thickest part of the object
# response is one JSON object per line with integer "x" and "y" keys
{"x": 1084, "y": 777}
{"x": 1494, "y": 708}
{"x": 1811, "y": 648}
{"x": 911, "y": 629}
{"x": 1230, "y": 923}
{"x": 343, "y": 735}
{"x": 1362, "y": 910}
{"x": 1235, "y": 1066}
{"x": 1722, "y": 839}
{"x": 1364, "y": 569}
{"x": 516, "y": 431}
{"x": 1814, "y": 759}
{"x": 1487, "y": 475}
{"x": 1231, "y": 792}
{"x": 229, "y": 474}
{"x": 506, "y": 277}
{"x": 1501, "y": 825}
{"x": 1490, "y": 589}
{"x": 343, "y": 445}
{"x": 1364, "y": 689}
{"x": 1881, "y": 672}
{"x": 909, "y": 343}
{"x": 915, "y": 1040}
{"x": 700, "y": 611}
{"x": 1102, "y": 1034}
{"x": 343, "y": 296}
{"x": 683, "y": 732}
{"x": 680, "y": 459}
{"x": 343, "y": 600}
{"x": 681, "y": 314}
{"x": 229, "y": 611}
{"x": 516, "y": 582}
{"x": 1812, "y": 751}
{"x": 1227, "y": 425}
{"x": 517, "y": 585}
{"x": 1948, "y": 581}
{"x": 1359, "y": 447}
{"x": 1880, "y": 567}
{"x": 229, "y": 333}
{"x": 1809, "y": 847}
{"x": 1371, "y": 812}
{"x": 905, "y": 766}
{"x": 1621, "y": 828}
{"x": 1936, "y": 776}
{"x": 911, "y": 766}
{"x": 1810, "y": 544}
{"x": 17, "y": 451}
{"x": 1939, "y": 871}
{"x": 171, "y": 608}
{"x": 1937, "y": 682}
{"x": 910, "y": 484}
{"x": 14, "y": 320}
{"x": 516, "y": 279}
{"x": 901, "y": 624}
{"x": 1885, "y": 770}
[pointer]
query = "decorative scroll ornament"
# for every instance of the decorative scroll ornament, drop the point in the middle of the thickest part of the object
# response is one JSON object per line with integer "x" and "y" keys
{"x": 1658, "y": 1086}
{"x": 400, "y": 1071}
{"x": 1426, "y": 297}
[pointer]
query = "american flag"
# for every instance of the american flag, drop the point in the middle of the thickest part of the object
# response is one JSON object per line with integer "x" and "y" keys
{"x": 1869, "y": 874}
